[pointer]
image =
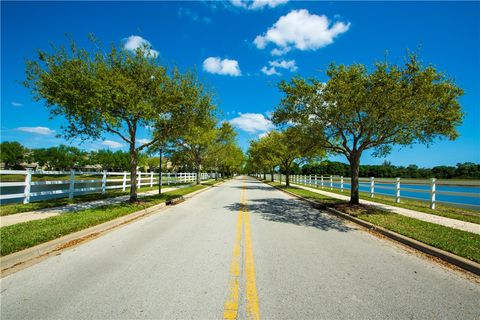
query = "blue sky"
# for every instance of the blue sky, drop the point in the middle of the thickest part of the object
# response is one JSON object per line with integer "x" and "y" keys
{"x": 230, "y": 43}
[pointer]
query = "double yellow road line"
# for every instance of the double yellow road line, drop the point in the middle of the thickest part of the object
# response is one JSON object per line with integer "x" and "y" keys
{"x": 242, "y": 231}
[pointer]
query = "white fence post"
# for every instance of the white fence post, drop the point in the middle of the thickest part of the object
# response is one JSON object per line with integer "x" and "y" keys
{"x": 397, "y": 191}
{"x": 433, "y": 191}
{"x": 168, "y": 178}
{"x": 71, "y": 189}
{"x": 175, "y": 181}
{"x": 315, "y": 181}
{"x": 104, "y": 182}
{"x": 372, "y": 187}
{"x": 331, "y": 183}
{"x": 139, "y": 182}
{"x": 151, "y": 179}
{"x": 322, "y": 181}
{"x": 28, "y": 186}
{"x": 341, "y": 184}
{"x": 124, "y": 184}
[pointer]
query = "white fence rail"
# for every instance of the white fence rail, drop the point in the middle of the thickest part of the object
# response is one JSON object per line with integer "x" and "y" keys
{"x": 458, "y": 193}
{"x": 80, "y": 183}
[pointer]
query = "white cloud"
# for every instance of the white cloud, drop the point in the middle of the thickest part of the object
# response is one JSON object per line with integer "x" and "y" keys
{"x": 37, "y": 130}
{"x": 283, "y": 64}
{"x": 262, "y": 135}
{"x": 252, "y": 122}
{"x": 271, "y": 71}
{"x": 17, "y": 104}
{"x": 257, "y": 4}
{"x": 132, "y": 43}
{"x": 216, "y": 65}
{"x": 111, "y": 144}
{"x": 301, "y": 30}
{"x": 143, "y": 141}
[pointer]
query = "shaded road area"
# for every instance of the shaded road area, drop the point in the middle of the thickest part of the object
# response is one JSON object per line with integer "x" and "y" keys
{"x": 239, "y": 250}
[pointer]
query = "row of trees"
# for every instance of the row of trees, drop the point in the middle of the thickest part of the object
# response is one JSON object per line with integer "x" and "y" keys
{"x": 15, "y": 156}
{"x": 120, "y": 92}
{"x": 361, "y": 109}
{"x": 466, "y": 170}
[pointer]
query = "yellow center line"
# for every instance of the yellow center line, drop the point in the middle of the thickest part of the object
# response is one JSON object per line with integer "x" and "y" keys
{"x": 253, "y": 311}
{"x": 231, "y": 304}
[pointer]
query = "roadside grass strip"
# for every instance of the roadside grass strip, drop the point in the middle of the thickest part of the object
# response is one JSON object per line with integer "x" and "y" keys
{"x": 7, "y": 209}
{"x": 28, "y": 234}
{"x": 443, "y": 210}
{"x": 461, "y": 243}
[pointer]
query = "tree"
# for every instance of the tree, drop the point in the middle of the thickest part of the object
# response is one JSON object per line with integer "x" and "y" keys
{"x": 11, "y": 153}
{"x": 265, "y": 153}
{"x": 115, "y": 93}
{"x": 359, "y": 110}
{"x": 284, "y": 148}
{"x": 197, "y": 137}
{"x": 224, "y": 153}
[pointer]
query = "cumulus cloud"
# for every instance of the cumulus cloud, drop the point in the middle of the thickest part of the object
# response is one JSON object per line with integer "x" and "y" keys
{"x": 16, "y": 104}
{"x": 257, "y": 4}
{"x": 252, "y": 122}
{"x": 282, "y": 64}
{"x": 37, "y": 130}
{"x": 270, "y": 71}
{"x": 132, "y": 43}
{"x": 143, "y": 141}
{"x": 300, "y": 30}
{"x": 111, "y": 144}
{"x": 216, "y": 65}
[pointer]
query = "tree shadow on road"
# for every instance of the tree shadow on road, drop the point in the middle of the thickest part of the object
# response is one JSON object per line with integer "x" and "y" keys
{"x": 294, "y": 212}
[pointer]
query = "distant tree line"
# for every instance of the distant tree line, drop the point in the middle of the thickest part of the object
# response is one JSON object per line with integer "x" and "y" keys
{"x": 15, "y": 156}
{"x": 466, "y": 170}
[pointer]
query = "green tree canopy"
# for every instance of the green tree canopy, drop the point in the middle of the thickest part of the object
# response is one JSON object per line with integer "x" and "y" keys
{"x": 116, "y": 92}
{"x": 358, "y": 109}
{"x": 11, "y": 153}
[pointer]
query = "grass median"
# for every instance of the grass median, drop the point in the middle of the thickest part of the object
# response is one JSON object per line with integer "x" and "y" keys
{"x": 28, "y": 234}
{"x": 462, "y": 243}
{"x": 443, "y": 210}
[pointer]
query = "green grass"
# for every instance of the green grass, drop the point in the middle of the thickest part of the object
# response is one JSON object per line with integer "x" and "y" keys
{"x": 462, "y": 243}
{"x": 28, "y": 234}
{"x": 13, "y": 208}
{"x": 417, "y": 205}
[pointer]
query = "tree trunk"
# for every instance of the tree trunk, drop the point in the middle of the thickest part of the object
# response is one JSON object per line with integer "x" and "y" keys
{"x": 287, "y": 177}
{"x": 271, "y": 173}
{"x": 264, "y": 175}
{"x": 133, "y": 173}
{"x": 354, "y": 172}
{"x": 198, "y": 174}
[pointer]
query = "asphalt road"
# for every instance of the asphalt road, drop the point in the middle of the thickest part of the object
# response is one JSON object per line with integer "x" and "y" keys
{"x": 239, "y": 250}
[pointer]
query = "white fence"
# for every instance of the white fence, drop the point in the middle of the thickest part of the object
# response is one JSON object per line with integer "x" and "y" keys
{"x": 81, "y": 183}
{"x": 452, "y": 192}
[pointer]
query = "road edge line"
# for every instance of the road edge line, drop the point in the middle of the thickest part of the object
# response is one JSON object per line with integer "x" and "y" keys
{"x": 463, "y": 263}
{"x": 19, "y": 260}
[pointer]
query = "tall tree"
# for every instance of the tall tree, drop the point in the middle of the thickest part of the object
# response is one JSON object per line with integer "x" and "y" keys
{"x": 198, "y": 135}
{"x": 358, "y": 109}
{"x": 117, "y": 93}
{"x": 11, "y": 153}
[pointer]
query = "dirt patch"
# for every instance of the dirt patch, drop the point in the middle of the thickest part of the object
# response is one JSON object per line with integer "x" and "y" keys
{"x": 76, "y": 241}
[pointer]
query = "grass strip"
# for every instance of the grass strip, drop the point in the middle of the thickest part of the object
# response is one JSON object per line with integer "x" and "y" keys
{"x": 442, "y": 210}
{"x": 13, "y": 208}
{"x": 28, "y": 234}
{"x": 461, "y": 243}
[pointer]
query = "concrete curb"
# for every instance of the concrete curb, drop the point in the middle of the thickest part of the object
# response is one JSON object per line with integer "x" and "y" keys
{"x": 458, "y": 261}
{"x": 19, "y": 260}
